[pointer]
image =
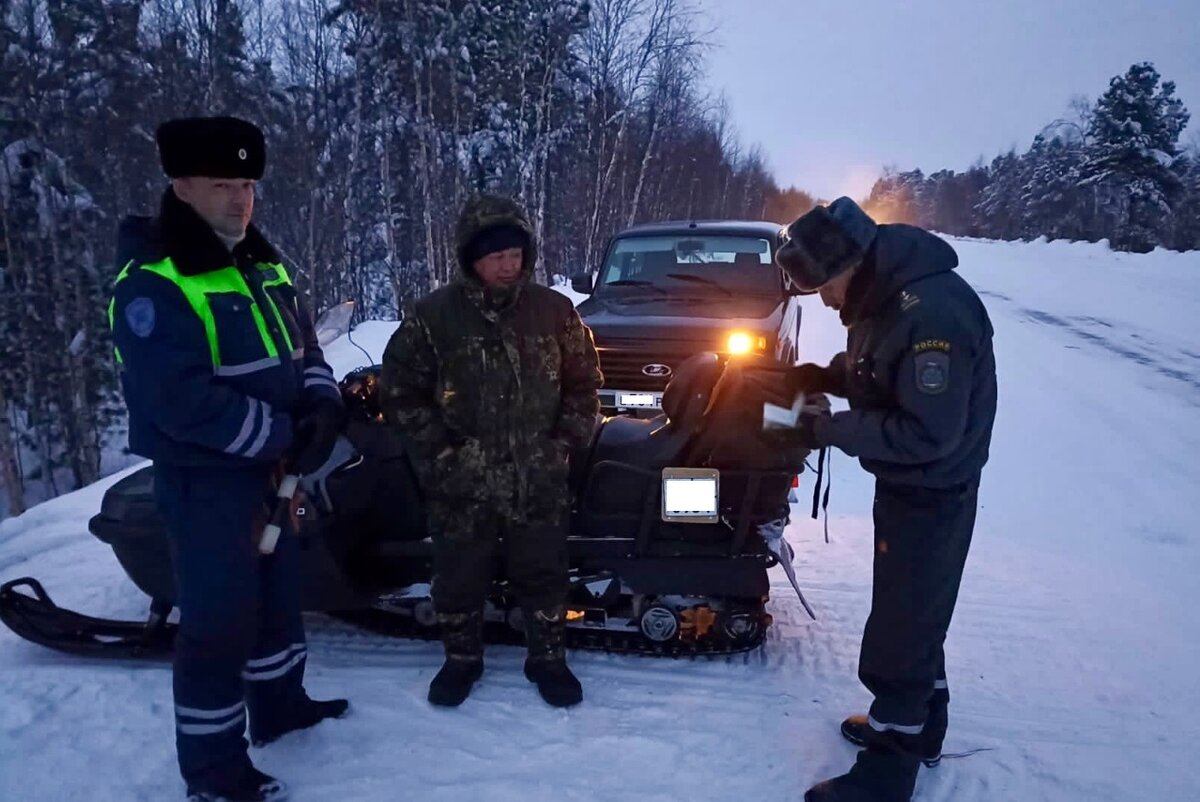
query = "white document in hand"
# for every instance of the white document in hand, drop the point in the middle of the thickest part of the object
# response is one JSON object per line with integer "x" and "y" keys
{"x": 775, "y": 417}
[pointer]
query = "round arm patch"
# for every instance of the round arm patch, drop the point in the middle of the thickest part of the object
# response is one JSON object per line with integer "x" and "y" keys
{"x": 932, "y": 371}
{"x": 139, "y": 314}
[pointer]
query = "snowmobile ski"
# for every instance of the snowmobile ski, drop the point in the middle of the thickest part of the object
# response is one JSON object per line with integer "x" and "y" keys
{"x": 38, "y": 619}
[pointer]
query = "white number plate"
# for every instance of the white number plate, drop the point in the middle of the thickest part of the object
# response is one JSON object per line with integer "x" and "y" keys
{"x": 639, "y": 400}
{"x": 690, "y": 495}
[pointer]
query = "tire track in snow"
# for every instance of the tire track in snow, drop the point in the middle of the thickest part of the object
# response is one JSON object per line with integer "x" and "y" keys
{"x": 1161, "y": 359}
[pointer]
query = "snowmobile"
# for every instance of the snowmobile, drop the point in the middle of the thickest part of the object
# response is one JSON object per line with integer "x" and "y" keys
{"x": 675, "y": 521}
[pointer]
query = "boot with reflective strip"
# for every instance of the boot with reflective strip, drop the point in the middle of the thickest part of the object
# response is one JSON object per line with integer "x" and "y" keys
{"x": 858, "y": 731}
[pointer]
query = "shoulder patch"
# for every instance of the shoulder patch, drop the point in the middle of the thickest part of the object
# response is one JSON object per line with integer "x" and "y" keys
{"x": 931, "y": 345}
{"x": 140, "y": 315}
{"x": 908, "y": 300}
{"x": 932, "y": 372}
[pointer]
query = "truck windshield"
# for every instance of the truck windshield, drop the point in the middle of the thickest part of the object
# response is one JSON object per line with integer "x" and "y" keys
{"x": 692, "y": 265}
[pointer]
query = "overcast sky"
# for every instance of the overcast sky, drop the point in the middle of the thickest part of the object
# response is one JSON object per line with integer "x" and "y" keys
{"x": 834, "y": 90}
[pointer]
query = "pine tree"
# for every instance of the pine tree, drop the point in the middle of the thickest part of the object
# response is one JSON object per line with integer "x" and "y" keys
{"x": 1186, "y": 235}
{"x": 1133, "y": 142}
{"x": 1051, "y": 200}
{"x": 999, "y": 206}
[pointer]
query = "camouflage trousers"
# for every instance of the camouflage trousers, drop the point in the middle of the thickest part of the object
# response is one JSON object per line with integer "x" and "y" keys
{"x": 474, "y": 545}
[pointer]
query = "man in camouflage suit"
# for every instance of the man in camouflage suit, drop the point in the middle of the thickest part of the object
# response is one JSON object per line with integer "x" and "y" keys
{"x": 494, "y": 378}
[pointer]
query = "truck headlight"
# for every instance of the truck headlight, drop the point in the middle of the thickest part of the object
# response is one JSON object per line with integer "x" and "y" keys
{"x": 741, "y": 342}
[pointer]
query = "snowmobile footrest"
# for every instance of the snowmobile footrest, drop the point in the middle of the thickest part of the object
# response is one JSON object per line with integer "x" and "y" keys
{"x": 35, "y": 617}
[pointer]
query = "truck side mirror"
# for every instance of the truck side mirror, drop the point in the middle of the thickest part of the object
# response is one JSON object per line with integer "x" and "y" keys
{"x": 582, "y": 283}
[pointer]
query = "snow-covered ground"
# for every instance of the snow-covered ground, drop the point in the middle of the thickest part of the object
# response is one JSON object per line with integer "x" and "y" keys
{"x": 1073, "y": 655}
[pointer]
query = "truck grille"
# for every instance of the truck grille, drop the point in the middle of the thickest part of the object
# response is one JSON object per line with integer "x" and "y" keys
{"x": 623, "y": 370}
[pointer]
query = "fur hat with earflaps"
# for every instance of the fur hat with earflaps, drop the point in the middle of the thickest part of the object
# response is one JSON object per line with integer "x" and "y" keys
{"x": 824, "y": 243}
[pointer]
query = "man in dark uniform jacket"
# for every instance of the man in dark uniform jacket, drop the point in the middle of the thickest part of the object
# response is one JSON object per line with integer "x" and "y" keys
{"x": 920, "y": 377}
{"x": 223, "y": 377}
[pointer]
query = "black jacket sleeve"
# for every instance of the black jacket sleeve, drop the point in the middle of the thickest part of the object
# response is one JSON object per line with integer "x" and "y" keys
{"x": 932, "y": 380}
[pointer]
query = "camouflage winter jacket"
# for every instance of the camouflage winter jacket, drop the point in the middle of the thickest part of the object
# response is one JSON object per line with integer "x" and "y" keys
{"x": 493, "y": 387}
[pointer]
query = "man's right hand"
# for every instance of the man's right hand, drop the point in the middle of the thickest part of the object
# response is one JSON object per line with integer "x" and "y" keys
{"x": 810, "y": 378}
{"x": 780, "y": 385}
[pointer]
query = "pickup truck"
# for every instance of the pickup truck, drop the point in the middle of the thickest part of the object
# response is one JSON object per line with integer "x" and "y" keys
{"x": 666, "y": 291}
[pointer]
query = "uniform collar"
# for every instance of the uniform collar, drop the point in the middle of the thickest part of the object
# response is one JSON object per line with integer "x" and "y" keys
{"x": 195, "y": 248}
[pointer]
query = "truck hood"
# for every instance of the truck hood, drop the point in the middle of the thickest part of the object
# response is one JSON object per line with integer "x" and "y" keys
{"x": 671, "y": 319}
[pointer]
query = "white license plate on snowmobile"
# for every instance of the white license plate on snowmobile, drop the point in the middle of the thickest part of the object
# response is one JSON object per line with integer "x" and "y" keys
{"x": 639, "y": 401}
{"x": 690, "y": 495}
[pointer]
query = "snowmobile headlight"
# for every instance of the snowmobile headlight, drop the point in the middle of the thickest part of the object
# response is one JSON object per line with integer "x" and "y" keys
{"x": 741, "y": 342}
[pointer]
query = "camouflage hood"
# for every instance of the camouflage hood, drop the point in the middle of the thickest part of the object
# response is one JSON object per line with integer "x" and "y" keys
{"x": 481, "y": 213}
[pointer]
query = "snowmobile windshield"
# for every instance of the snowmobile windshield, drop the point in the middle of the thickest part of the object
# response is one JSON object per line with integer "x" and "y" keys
{"x": 720, "y": 265}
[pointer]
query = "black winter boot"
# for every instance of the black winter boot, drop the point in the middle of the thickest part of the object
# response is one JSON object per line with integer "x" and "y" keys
{"x": 462, "y": 637}
{"x": 308, "y": 713}
{"x": 857, "y": 731}
{"x": 886, "y": 771}
{"x": 247, "y": 784}
{"x": 546, "y": 664}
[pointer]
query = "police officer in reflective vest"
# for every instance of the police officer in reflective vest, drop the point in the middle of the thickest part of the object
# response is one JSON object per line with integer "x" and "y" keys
{"x": 920, "y": 376}
{"x": 223, "y": 378}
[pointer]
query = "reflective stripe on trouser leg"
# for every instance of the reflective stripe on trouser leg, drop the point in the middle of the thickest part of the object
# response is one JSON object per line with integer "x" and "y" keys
{"x": 275, "y": 666}
{"x": 274, "y": 675}
{"x": 210, "y": 515}
{"x": 887, "y": 726}
{"x": 199, "y": 721}
{"x": 921, "y": 542}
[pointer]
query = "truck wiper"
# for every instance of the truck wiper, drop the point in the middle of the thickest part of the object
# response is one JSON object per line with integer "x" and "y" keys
{"x": 635, "y": 282}
{"x": 700, "y": 280}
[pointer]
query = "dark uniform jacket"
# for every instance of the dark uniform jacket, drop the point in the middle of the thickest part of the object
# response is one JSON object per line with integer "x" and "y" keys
{"x": 918, "y": 368}
{"x": 221, "y": 391}
{"x": 493, "y": 387}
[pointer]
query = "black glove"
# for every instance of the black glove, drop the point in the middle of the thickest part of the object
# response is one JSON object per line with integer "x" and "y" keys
{"x": 772, "y": 385}
{"x": 316, "y": 434}
{"x": 802, "y": 435}
{"x": 781, "y": 385}
{"x": 810, "y": 378}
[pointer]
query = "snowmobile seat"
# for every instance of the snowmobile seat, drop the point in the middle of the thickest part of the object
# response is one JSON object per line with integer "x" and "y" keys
{"x": 630, "y": 453}
{"x": 711, "y": 418}
{"x": 658, "y": 442}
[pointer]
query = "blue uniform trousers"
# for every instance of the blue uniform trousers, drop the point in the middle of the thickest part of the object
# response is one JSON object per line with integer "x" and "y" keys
{"x": 240, "y": 648}
{"x": 922, "y": 537}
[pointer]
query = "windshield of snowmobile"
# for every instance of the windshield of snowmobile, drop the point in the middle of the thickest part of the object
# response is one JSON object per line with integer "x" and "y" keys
{"x": 698, "y": 268}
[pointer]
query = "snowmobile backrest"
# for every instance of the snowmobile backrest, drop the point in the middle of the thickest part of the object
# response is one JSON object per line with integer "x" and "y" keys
{"x": 687, "y": 395}
{"x": 731, "y": 435}
{"x": 662, "y": 441}
{"x": 711, "y": 418}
